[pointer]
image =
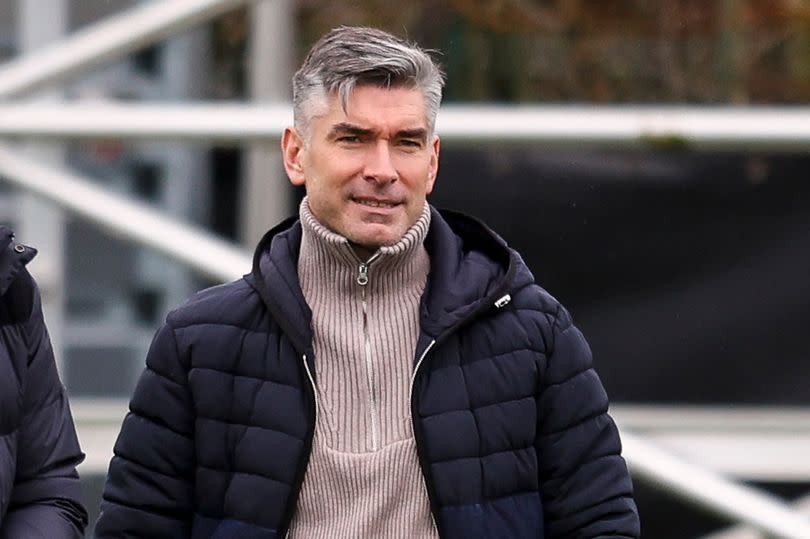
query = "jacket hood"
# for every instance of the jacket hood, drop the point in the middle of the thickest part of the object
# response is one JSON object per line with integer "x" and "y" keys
{"x": 275, "y": 277}
{"x": 471, "y": 267}
{"x": 13, "y": 258}
{"x": 17, "y": 299}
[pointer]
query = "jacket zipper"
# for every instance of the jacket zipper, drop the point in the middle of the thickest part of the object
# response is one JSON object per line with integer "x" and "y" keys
{"x": 419, "y": 364}
{"x": 308, "y": 452}
{"x": 362, "y": 280}
{"x": 417, "y": 436}
{"x": 312, "y": 384}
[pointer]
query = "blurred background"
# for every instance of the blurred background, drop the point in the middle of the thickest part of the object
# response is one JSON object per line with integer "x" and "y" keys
{"x": 654, "y": 176}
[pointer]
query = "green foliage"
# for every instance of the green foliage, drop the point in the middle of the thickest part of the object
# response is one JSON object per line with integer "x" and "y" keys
{"x": 685, "y": 51}
{"x": 606, "y": 51}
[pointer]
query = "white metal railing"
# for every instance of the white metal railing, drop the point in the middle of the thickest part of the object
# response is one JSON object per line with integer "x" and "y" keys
{"x": 103, "y": 41}
{"x": 101, "y": 420}
{"x": 768, "y": 434}
{"x": 577, "y": 125}
{"x": 153, "y": 21}
{"x": 131, "y": 219}
{"x": 213, "y": 122}
{"x": 695, "y": 127}
{"x": 111, "y": 38}
{"x": 712, "y": 491}
{"x": 747, "y": 532}
{"x": 749, "y": 443}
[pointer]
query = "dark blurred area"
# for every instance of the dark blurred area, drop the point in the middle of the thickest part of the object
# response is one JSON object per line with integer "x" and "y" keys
{"x": 689, "y": 273}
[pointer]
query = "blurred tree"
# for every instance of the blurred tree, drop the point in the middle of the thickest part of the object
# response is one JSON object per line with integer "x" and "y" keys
{"x": 679, "y": 51}
{"x": 319, "y": 16}
{"x": 509, "y": 16}
{"x": 230, "y": 35}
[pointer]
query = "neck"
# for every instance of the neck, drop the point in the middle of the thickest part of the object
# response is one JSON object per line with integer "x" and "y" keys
{"x": 362, "y": 252}
{"x": 341, "y": 249}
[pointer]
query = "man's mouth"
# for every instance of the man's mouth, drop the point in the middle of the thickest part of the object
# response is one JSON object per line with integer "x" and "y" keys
{"x": 375, "y": 203}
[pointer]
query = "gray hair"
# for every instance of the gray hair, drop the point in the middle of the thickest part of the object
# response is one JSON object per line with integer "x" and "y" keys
{"x": 349, "y": 56}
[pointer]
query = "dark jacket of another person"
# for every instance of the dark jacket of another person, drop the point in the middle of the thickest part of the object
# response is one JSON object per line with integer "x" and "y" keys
{"x": 511, "y": 423}
{"x": 39, "y": 451}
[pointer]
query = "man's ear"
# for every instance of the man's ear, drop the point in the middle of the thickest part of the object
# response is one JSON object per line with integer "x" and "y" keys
{"x": 435, "y": 146}
{"x": 292, "y": 149}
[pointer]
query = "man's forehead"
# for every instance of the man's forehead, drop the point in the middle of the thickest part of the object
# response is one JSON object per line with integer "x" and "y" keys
{"x": 408, "y": 101}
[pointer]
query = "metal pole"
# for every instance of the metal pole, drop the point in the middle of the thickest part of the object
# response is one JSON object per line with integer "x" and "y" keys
{"x": 40, "y": 23}
{"x": 221, "y": 122}
{"x": 185, "y": 192}
{"x": 778, "y": 128}
{"x": 103, "y": 41}
{"x": 702, "y": 127}
{"x": 712, "y": 491}
{"x": 746, "y": 532}
{"x": 266, "y": 193}
{"x": 205, "y": 253}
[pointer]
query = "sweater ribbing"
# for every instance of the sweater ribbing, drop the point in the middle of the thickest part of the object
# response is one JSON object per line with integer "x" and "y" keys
{"x": 363, "y": 477}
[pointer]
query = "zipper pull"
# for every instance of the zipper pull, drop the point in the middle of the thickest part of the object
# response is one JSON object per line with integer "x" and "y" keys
{"x": 503, "y": 301}
{"x": 362, "y": 275}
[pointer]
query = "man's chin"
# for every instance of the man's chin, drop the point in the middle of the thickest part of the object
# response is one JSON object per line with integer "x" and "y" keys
{"x": 378, "y": 237}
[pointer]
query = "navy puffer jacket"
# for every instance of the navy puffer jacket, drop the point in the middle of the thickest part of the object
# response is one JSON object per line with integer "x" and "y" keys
{"x": 39, "y": 451}
{"x": 511, "y": 421}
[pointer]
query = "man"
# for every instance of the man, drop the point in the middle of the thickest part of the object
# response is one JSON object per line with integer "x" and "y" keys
{"x": 39, "y": 486}
{"x": 386, "y": 370}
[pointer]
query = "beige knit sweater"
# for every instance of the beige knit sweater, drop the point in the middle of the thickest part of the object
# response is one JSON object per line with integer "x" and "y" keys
{"x": 363, "y": 478}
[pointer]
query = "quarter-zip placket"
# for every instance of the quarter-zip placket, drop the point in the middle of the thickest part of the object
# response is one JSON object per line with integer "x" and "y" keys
{"x": 362, "y": 281}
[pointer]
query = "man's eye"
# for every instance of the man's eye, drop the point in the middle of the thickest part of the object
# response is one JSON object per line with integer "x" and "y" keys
{"x": 410, "y": 143}
{"x": 349, "y": 139}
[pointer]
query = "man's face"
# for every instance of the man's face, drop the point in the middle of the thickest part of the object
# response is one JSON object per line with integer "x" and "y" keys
{"x": 367, "y": 170}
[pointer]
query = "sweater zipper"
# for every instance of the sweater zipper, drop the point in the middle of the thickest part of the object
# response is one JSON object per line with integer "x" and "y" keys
{"x": 362, "y": 280}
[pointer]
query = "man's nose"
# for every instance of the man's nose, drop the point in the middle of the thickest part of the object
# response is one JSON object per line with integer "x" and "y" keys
{"x": 380, "y": 165}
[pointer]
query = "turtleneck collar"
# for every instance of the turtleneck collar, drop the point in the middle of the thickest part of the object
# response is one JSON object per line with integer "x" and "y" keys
{"x": 316, "y": 236}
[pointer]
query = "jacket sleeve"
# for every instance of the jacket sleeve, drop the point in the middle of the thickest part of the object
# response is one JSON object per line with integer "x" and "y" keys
{"x": 587, "y": 491}
{"x": 45, "y": 501}
{"x": 149, "y": 489}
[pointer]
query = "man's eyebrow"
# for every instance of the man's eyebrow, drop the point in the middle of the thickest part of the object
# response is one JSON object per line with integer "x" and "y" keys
{"x": 344, "y": 128}
{"x": 417, "y": 133}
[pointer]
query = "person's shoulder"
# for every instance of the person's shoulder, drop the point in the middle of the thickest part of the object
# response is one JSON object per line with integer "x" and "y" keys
{"x": 488, "y": 248}
{"x": 232, "y": 303}
{"x": 534, "y": 298}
